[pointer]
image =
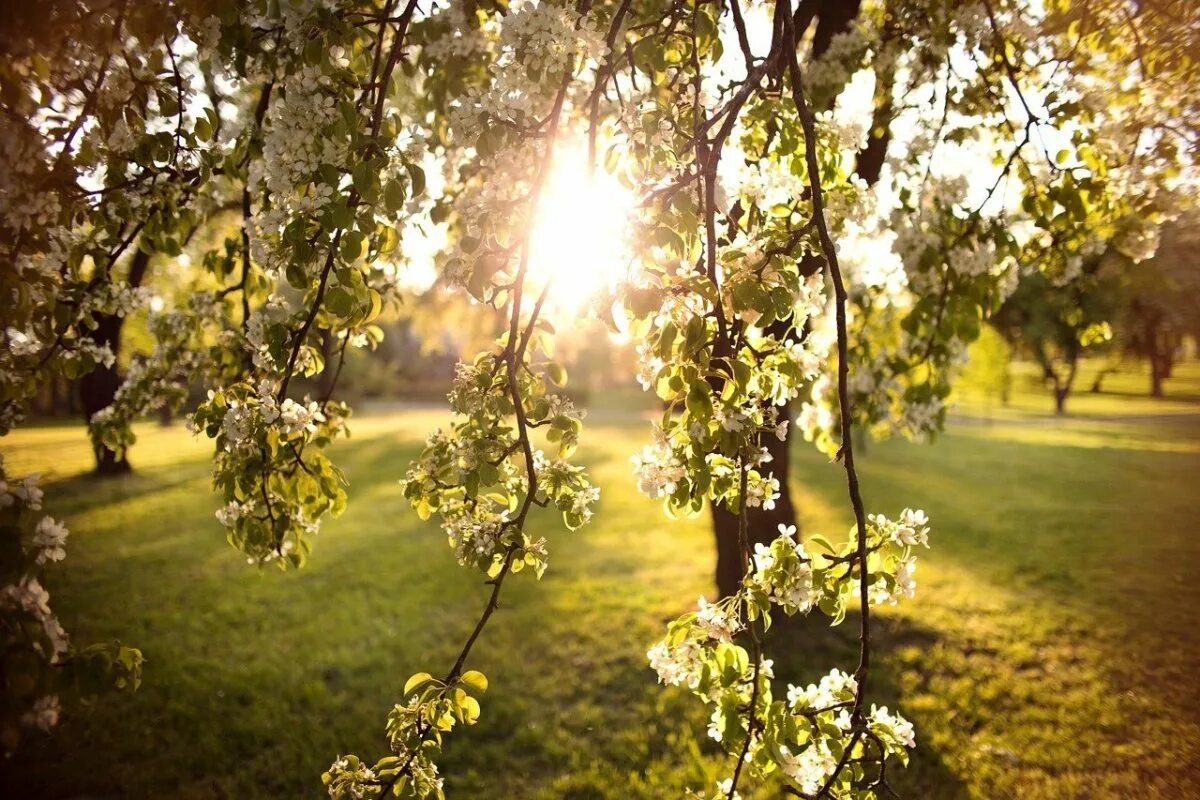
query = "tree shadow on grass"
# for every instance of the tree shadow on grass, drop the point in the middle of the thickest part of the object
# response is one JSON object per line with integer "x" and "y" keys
{"x": 366, "y": 462}
{"x": 86, "y": 491}
{"x": 1070, "y": 526}
{"x": 613, "y": 732}
{"x": 1169, "y": 397}
{"x": 806, "y": 648}
{"x": 1060, "y": 576}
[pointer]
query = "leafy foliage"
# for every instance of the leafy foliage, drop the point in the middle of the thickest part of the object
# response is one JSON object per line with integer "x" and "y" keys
{"x": 319, "y": 119}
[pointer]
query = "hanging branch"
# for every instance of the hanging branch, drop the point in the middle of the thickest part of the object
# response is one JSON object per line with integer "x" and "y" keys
{"x": 513, "y": 357}
{"x": 756, "y": 645}
{"x": 384, "y": 79}
{"x": 846, "y": 451}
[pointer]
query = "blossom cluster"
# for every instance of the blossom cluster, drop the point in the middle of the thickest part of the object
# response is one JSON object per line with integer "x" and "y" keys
{"x": 271, "y": 467}
{"x": 828, "y": 73}
{"x": 40, "y": 666}
{"x": 161, "y": 378}
{"x": 783, "y": 570}
{"x": 538, "y": 43}
{"x": 414, "y": 729}
{"x": 893, "y": 559}
{"x": 804, "y": 736}
{"x": 696, "y": 445}
{"x": 477, "y": 476}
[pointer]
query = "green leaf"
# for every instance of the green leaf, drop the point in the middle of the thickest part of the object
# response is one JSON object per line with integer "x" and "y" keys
{"x": 475, "y": 679}
{"x": 393, "y": 196}
{"x": 339, "y": 301}
{"x": 420, "y": 679}
{"x": 352, "y": 246}
{"x": 470, "y": 710}
{"x": 699, "y": 401}
{"x": 821, "y": 541}
{"x": 389, "y": 238}
{"x": 418, "y": 179}
{"x": 341, "y": 215}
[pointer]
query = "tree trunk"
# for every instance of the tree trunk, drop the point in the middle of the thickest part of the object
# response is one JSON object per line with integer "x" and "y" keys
{"x": 832, "y": 17}
{"x": 762, "y": 525}
{"x": 1157, "y": 374}
{"x": 1170, "y": 350}
{"x": 1158, "y": 351}
{"x": 96, "y": 392}
{"x": 99, "y": 387}
{"x": 1062, "y": 386}
{"x": 329, "y": 352}
{"x": 1060, "y": 399}
{"x": 1098, "y": 384}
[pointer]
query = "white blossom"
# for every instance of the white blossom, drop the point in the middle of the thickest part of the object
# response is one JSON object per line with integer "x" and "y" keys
{"x": 43, "y": 714}
{"x": 50, "y": 537}
{"x": 782, "y": 570}
{"x": 810, "y": 767}
{"x": 719, "y": 621}
{"x": 892, "y": 728}
{"x": 678, "y": 665}
{"x": 658, "y": 470}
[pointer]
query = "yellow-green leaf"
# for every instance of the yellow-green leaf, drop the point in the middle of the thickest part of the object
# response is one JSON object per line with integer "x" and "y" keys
{"x": 475, "y": 679}
{"x": 419, "y": 679}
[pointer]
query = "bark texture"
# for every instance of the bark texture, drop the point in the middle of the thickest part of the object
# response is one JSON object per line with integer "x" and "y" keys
{"x": 98, "y": 388}
{"x": 832, "y": 17}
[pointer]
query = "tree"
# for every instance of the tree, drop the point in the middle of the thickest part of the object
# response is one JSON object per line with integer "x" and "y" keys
{"x": 1162, "y": 302}
{"x": 759, "y": 190}
{"x": 98, "y": 388}
{"x": 989, "y": 366}
{"x": 1057, "y": 324}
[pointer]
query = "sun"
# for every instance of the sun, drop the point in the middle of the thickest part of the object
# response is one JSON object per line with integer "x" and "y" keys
{"x": 580, "y": 241}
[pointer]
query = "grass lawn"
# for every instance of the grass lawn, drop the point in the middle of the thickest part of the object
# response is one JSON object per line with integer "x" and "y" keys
{"x": 1052, "y": 650}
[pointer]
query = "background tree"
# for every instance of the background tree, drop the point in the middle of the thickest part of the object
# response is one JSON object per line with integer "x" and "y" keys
{"x": 1161, "y": 303}
{"x": 1057, "y": 325}
{"x": 989, "y": 367}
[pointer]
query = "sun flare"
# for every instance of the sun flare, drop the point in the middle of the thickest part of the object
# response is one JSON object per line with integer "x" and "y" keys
{"x": 580, "y": 239}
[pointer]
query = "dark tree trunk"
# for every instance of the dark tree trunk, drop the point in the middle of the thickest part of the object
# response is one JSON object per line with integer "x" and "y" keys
{"x": 1062, "y": 386}
{"x": 832, "y": 17}
{"x": 1158, "y": 373}
{"x": 99, "y": 387}
{"x": 1060, "y": 400}
{"x": 328, "y": 376}
{"x": 1098, "y": 384}
{"x": 1159, "y": 352}
{"x": 762, "y": 525}
{"x": 1171, "y": 345}
{"x": 97, "y": 390}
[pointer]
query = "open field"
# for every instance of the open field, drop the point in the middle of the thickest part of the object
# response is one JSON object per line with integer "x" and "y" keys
{"x": 1125, "y": 393}
{"x": 1052, "y": 650}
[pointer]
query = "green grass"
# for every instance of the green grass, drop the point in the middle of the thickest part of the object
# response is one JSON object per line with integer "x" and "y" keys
{"x": 1051, "y": 650}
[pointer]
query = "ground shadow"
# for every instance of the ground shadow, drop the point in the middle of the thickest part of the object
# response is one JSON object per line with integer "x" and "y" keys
{"x": 806, "y": 648}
